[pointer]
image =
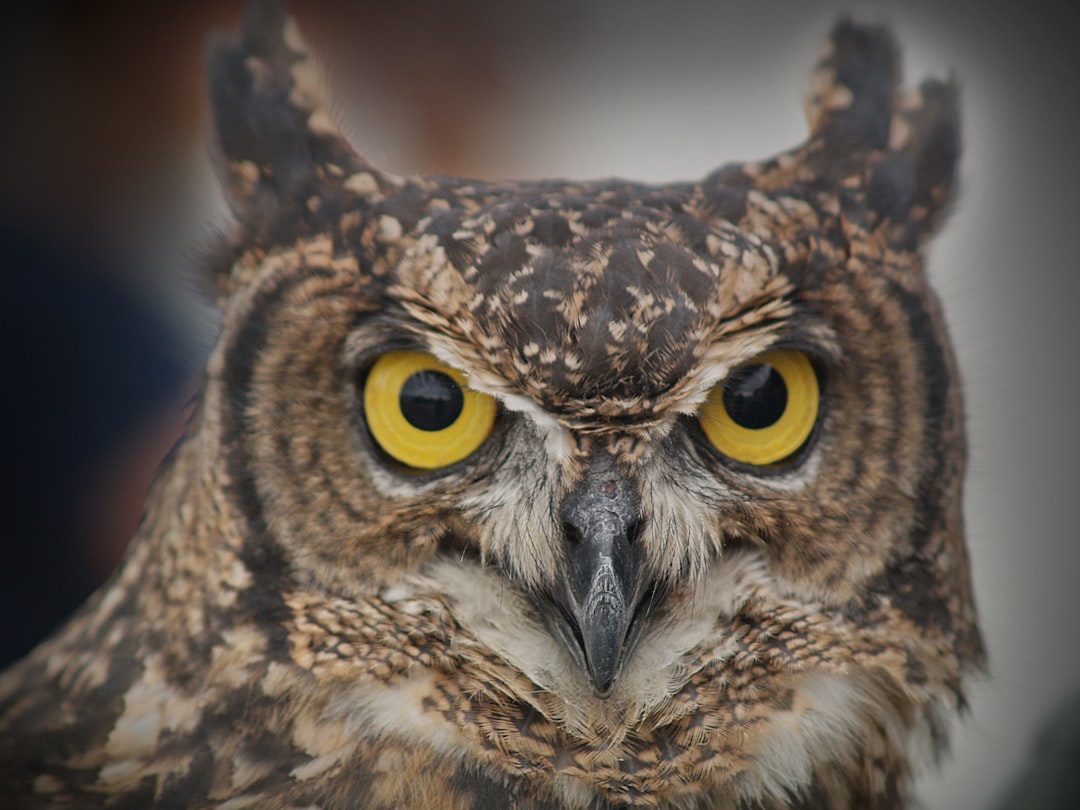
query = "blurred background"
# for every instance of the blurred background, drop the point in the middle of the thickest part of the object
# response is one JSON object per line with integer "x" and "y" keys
{"x": 107, "y": 199}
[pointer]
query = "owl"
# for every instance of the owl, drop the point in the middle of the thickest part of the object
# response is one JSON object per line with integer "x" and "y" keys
{"x": 541, "y": 494}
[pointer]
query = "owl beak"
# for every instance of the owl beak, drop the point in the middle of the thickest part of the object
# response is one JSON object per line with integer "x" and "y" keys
{"x": 601, "y": 596}
{"x": 601, "y": 586}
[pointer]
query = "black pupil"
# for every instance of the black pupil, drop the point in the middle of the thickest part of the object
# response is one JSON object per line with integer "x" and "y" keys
{"x": 431, "y": 400}
{"x": 755, "y": 397}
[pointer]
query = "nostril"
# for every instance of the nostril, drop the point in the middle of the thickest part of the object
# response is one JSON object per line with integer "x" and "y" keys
{"x": 571, "y": 532}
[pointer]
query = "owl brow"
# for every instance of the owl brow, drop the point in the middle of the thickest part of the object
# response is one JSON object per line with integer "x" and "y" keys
{"x": 380, "y": 333}
{"x": 802, "y": 330}
{"x": 808, "y": 333}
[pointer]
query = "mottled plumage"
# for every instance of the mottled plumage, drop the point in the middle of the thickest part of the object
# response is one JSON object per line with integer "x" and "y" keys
{"x": 303, "y": 622}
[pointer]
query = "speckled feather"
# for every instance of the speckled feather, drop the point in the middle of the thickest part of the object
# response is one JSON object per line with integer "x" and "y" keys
{"x": 300, "y": 624}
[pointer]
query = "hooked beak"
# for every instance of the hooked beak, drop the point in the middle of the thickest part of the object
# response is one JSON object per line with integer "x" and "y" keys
{"x": 600, "y": 587}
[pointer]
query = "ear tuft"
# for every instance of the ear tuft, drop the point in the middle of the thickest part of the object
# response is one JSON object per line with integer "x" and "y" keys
{"x": 912, "y": 183}
{"x": 850, "y": 104}
{"x": 905, "y": 146}
{"x": 934, "y": 148}
{"x": 282, "y": 161}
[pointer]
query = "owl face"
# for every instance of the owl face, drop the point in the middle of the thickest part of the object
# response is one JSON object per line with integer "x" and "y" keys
{"x": 664, "y": 468}
{"x": 605, "y": 372}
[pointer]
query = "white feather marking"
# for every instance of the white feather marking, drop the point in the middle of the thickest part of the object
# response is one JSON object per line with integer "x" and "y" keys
{"x": 504, "y": 619}
{"x": 372, "y": 709}
{"x": 827, "y": 713}
{"x": 556, "y": 437}
{"x": 151, "y": 705}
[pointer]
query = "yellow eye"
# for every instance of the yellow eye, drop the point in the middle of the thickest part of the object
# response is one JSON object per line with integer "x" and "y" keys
{"x": 422, "y": 413}
{"x": 765, "y": 411}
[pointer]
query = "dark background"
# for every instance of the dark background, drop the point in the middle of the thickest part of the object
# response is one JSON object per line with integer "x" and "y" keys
{"x": 104, "y": 189}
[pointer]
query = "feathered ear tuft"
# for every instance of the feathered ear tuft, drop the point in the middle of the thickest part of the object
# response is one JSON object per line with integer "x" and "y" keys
{"x": 925, "y": 139}
{"x": 282, "y": 160}
{"x": 902, "y": 148}
{"x": 851, "y": 97}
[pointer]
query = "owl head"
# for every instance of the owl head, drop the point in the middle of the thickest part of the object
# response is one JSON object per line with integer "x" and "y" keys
{"x": 673, "y": 467}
